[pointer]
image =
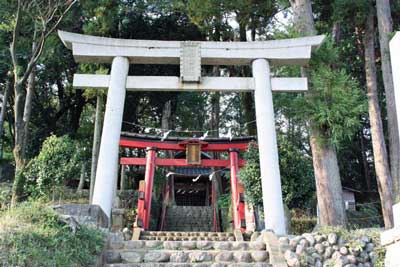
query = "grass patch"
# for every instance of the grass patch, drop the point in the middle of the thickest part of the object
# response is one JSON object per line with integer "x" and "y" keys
{"x": 31, "y": 235}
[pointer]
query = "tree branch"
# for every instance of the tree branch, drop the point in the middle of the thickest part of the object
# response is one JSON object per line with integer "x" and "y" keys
{"x": 61, "y": 18}
{"x": 14, "y": 40}
{"x": 39, "y": 48}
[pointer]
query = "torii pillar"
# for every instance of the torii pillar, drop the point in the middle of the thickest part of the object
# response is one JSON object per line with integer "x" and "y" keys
{"x": 107, "y": 166}
{"x": 394, "y": 45}
{"x": 268, "y": 148}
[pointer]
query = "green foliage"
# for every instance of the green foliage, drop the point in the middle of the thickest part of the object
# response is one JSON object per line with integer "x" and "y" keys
{"x": 250, "y": 175}
{"x": 31, "y": 235}
{"x": 296, "y": 172}
{"x": 300, "y": 225}
{"x": 224, "y": 201}
{"x": 367, "y": 215}
{"x": 335, "y": 102}
{"x": 351, "y": 11}
{"x": 58, "y": 161}
{"x": 5, "y": 194}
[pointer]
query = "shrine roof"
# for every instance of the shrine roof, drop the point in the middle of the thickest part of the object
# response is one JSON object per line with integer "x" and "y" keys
{"x": 175, "y": 139}
{"x": 192, "y": 171}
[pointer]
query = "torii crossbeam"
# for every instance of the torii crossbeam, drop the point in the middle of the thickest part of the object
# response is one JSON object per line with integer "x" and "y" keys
{"x": 190, "y": 56}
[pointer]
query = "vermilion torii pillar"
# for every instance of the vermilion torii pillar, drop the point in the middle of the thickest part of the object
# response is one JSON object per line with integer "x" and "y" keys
{"x": 190, "y": 56}
{"x": 234, "y": 168}
{"x": 148, "y": 183}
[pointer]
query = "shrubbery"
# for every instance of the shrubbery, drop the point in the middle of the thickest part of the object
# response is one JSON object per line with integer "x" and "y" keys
{"x": 296, "y": 175}
{"x": 250, "y": 175}
{"x": 59, "y": 160}
{"x": 31, "y": 235}
{"x": 300, "y": 225}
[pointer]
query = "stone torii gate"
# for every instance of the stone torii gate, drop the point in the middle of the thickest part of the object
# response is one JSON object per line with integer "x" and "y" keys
{"x": 191, "y": 55}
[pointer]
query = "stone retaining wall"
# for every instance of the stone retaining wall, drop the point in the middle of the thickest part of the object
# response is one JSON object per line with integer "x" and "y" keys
{"x": 330, "y": 250}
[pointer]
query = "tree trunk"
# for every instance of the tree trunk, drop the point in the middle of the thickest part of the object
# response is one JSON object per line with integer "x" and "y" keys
{"x": 82, "y": 177}
{"x": 18, "y": 151}
{"x": 303, "y": 17}
{"x": 382, "y": 170}
{"x": 98, "y": 122}
{"x": 367, "y": 174}
{"x": 215, "y": 107}
{"x": 166, "y": 116}
{"x": 247, "y": 103}
{"x": 385, "y": 29}
{"x": 4, "y": 107}
{"x": 326, "y": 169}
{"x": 28, "y": 109}
{"x": 247, "y": 98}
{"x": 327, "y": 179}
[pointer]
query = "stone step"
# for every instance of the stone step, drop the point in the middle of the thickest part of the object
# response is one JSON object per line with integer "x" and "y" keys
{"x": 186, "y": 236}
{"x": 187, "y": 245}
{"x": 202, "y": 264}
{"x": 186, "y": 253}
{"x": 189, "y": 218}
{"x": 177, "y": 233}
{"x": 186, "y": 256}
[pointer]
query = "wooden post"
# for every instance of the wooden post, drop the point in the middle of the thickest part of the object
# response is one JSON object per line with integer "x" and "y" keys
{"x": 141, "y": 211}
{"x": 214, "y": 205}
{"x": 148, "y": 182}
{"x": 241, "y": 207}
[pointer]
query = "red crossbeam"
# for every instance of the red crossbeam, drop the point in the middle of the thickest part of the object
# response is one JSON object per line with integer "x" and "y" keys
{"x": 180, "y": 162}
{"x": 124, "y": 142}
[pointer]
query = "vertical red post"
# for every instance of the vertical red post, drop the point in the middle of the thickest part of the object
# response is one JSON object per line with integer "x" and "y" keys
{"x": 148, "y": 181}
{"x": 241, "y": 207}
{"x": 141, "y": 211}
{"x": 234, "y": 159}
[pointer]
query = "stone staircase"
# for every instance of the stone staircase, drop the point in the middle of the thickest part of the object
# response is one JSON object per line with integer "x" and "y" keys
{"x": 186, "y": 236}
{"x": 196, "y": 253}
{"x": 189, "y": 219}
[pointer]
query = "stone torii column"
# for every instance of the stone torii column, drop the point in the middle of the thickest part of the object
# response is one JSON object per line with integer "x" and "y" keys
{"x": 107, "y": 166}
{"x": 395, "y": 61}
{"x": 268, "y": 148}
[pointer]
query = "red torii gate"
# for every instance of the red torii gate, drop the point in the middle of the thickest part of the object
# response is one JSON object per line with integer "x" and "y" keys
{"x": 152, "y": 145}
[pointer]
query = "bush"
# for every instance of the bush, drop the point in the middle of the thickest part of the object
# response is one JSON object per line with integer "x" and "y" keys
{"x": 5, "y": 194}
{"x": 250, "y": 176}
{"x": 59, "y": 160}
{"x": 296, "y": 172}
{"x": 367, "y": 215}
{"x": 300, "y": 225}
{"x": 31, "y": 235}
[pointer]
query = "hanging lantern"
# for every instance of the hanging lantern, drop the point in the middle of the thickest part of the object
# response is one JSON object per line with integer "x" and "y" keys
{"x": 193, "y": 153}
